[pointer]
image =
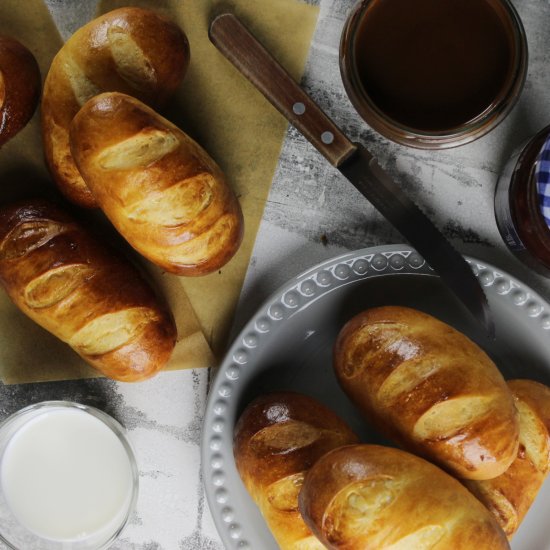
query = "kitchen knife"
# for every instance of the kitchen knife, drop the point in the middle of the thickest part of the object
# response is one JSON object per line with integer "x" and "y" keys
{"x": 359, "y": 166}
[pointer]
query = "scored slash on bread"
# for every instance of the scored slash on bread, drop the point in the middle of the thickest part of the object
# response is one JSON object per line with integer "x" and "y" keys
{"x": 130, "y": 50}
{"x": 429, "y": 388}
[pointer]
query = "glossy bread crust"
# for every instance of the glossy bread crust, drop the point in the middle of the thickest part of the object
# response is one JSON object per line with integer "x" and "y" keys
{"x": 278, "y": 437}
{"x": 366, "y": 496}
{"x": 510, "y": 495}
{"x": 159, "y": 188}
{"x": 85, "y": 294}
{"x": 430, "y": 388}
{"x": 131, "y": 50}
{"x": 19, "y": 87}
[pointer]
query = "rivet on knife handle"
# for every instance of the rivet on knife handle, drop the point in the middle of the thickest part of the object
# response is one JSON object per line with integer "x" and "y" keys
{"x": 236, "y": 43}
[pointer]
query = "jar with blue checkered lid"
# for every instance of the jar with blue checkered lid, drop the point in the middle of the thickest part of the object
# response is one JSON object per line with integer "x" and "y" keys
{"x": 522, "y": 203}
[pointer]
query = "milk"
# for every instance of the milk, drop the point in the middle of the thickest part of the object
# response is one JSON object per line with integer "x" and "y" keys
{"x": 66, "y": 476}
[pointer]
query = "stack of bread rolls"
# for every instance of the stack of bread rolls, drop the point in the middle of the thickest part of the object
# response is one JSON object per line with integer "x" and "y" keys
{"x": 105, "y": 148}
{"x": 475, "y": 448}
{"x": 130, "y": 50}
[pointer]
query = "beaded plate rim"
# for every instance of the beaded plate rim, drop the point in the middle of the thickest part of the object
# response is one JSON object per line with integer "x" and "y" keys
{"x": 287, "y": 301}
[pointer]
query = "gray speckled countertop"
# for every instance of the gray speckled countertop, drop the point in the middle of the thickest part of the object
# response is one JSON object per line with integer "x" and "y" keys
{"x": 311, "y": 215}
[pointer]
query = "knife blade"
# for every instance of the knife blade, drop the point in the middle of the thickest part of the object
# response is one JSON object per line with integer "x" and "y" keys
{"x": 353, "y": 161}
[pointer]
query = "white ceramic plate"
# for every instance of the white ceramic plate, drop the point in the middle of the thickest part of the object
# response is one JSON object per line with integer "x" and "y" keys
{"x": 287, "y": 345}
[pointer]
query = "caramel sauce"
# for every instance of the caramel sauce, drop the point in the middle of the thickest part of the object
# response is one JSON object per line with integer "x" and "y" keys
{"x": 434, "y": 65}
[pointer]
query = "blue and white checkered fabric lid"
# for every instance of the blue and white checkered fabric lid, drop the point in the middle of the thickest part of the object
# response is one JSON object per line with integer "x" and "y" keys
{"x": 542, "y": 178}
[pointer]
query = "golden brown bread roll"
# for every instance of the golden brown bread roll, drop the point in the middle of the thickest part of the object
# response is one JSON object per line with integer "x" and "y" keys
{"x": 19, "y": 87}
{"x": 363, "y": 497}
{"x": 159, "y": 188}
{"x": 83, "y": 293}
{"x": 430, "y": 388}
{"x": 130, "y": 50}
{"x": 510, "y": 495}
{"x": 277, "y": 439}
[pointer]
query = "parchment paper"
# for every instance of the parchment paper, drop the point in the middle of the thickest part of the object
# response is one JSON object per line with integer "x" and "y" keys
{"x": 234, "y": 123}
{"x": 27, "y": 352}
{"x": 219, "y": 109}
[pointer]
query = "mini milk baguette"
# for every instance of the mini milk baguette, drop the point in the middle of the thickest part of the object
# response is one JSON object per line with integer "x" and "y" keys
{"x": 130, "y": 50}
{"x": 277, "y": 439}
{"x": 430, "y": 388}
{"x": 85, "y": 294}
{"x": 19, "y": 87}
{"x": 370, "y": 497}
{"x": 159, "y": 188}
{"x": 510, "y": 495}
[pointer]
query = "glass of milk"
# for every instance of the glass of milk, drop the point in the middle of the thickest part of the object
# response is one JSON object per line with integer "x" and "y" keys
{"x": 68, "y": 478}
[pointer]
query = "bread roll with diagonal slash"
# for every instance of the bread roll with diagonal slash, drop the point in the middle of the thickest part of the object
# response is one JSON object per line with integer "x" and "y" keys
{"x": 510, "y": 495}
{"x": 371, "y": 497}
{"x": 430, "y": 388}
{"x": 19, "y": 87}
{"x": 130, "y": 50}
{"x": 278, "y": 438}
{"x": 85, "y": 294}
{"x": 160, "y": 189}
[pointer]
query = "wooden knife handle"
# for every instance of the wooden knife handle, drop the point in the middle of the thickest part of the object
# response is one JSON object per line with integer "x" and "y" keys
{"x": 240, "y": 47}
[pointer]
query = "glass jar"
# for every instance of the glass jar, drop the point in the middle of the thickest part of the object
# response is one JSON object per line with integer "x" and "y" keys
{"x": 393, "y": 55}
{"x": 517, "y": 207}
{"x": 68, "y": 478}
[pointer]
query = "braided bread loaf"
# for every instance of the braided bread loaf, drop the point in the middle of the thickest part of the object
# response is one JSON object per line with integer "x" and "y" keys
{"x": 130, "y": 50}
{"x": 19, "y": 87}
{"x": 86, "y": 295}
{"x": 429, "y": 388}
{"x": 159, "y": 188}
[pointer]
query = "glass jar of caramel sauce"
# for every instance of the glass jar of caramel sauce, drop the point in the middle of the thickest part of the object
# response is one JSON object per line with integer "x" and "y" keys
{"x": 433, "y": 74}
{"x": 518, "y": 209}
